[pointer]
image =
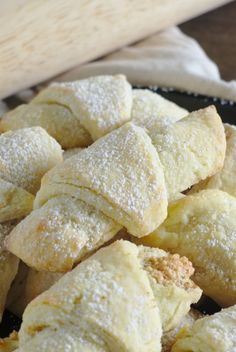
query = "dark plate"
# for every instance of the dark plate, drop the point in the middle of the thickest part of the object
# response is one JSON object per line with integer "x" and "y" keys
{"x": 189, "y": 101}
{"x": 192, "y": 101}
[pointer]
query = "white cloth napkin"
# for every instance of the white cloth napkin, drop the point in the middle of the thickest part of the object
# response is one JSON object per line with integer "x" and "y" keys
{"x": 166, "y": 59}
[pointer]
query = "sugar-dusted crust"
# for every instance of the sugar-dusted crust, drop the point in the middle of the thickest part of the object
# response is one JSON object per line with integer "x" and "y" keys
{"x": 215, "y": 333}
{"x": 76, "y": 113}
{"x": 226, "y": 178}
{"x": 25, "y": 156}
{"x": 58, "y": 235}
{"x": 202, "y": 228}
{"x": 55, "y": 118}
{"x": 116, "y": 182}
{"x": 152, "y": 111}
{"x": 100, "y": 103}
{"x": 99, "y": 306}
{"x": 116, "y": 295}
{"x": 191, "y": 149}
{"x": 120, "y": 174}
{"x": 108, "y": 302}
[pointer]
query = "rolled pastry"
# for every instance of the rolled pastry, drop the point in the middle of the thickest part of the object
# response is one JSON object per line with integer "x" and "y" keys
{"x": 175, "y": 292}
{"x": 122, "y": 177}
{"x": 32, "y": 283}
{"x": 150, "y": 110}
{"x": 215, "y": 333}
{"x": 103, "y": 306}
{"x": 76, "y": 113}
{"x": 29, "y": 283}
{"x": 25, "y": 156}
{"x": 106, "y": 303}
{"x": 120, "y": 174}
{"x": 8, "y": 266}
{"x": 226, "y": 178}
{"x": 169, "y": 337}
{"x": 202, "y": 227}
{"x": 116, "y": 182}
{"x": 190, "y": 149}
{"x": 56, "y": 119}
{"x": 59, "y": 234}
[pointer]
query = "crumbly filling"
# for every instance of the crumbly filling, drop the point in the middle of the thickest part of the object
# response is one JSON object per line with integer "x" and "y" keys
{"x": 171, "y": 269}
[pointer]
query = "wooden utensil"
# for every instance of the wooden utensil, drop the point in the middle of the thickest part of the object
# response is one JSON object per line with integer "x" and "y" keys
{"x": 42, "y": 38}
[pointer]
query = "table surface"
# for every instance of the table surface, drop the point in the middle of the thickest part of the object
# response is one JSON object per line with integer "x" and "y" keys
{"x": 216, "y": 33}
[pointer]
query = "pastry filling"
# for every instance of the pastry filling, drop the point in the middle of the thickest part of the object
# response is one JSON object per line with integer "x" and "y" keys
{"x": 171, "y": 269}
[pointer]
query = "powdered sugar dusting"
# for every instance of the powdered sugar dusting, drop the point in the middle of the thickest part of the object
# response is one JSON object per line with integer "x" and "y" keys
{"x": 202, "y": 227}
{"x": 114, "y": 308}
{"x": 123, "y": 168}
{"x": 190, "y": 150}
{"x": 60, "y": 233}
{"x": 152, "y": 111}
{"x": 105, "y": 102}
{"x": 25, "y": 155}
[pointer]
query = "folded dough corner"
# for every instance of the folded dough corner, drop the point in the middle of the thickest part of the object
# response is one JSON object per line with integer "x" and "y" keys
{"x": 109, "y": 302}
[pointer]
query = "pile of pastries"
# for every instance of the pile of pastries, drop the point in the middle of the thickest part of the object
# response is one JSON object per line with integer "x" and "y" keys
{"x": 117, "y": 213}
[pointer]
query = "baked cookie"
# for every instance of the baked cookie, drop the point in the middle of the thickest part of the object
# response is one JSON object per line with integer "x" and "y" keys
{"x": 100, "y": 305}
{"x": 150, "y": 110}
{"x": 226, "y": 178}
{"x": 190, "y": 149}
{"x": 120, "y": 174}
{"x": 61, "y": 233}
{"x": 202, "y": 227}
{"x": 76, "y": 113}
{"x": 58, "y": 120}
{"x": 26, "y": 155}
{"x": 170, "y": 280}
{"x": 116, "y": 182}
{"x": 215, "y": 333}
